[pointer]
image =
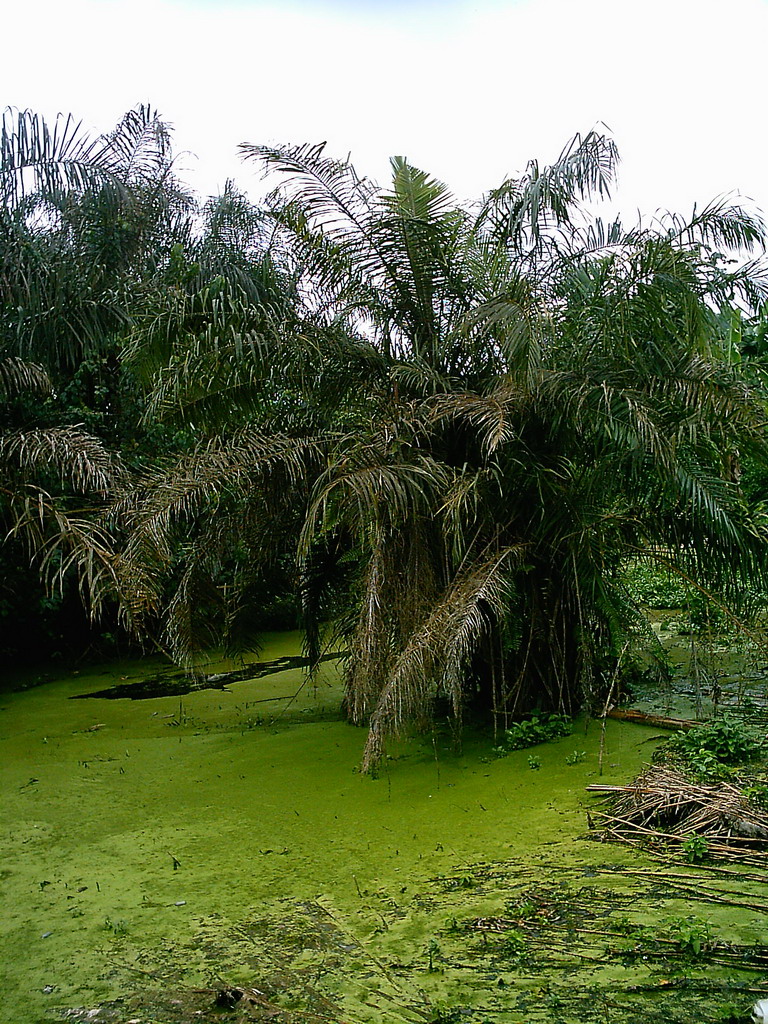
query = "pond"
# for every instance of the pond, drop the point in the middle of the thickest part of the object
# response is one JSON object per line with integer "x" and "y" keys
{"x": 161, "y": 853}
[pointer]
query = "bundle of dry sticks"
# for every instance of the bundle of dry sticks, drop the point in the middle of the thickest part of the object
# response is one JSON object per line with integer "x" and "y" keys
{"x": 665, "y": 811}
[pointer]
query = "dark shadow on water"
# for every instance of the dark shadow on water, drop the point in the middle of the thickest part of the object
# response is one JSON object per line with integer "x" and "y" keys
{"x": 176, "y": 684}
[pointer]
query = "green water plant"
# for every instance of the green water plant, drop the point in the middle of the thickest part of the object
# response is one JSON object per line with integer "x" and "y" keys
{"x": 538, "y": 727}
{"x": 703, "y": 614}
{"x": 726, "y": 742}
{"x": 433, "y": 951}
{"x": 576, "y": 757}
{"x": 632, "y": 930}
{"x": 514, "y": 946}
{"x": 119, "y": 927}
{"x": 696, "y": 848}
{"x": 445, "y": 1014}
{"x": 691, "y": 935}
{"x": 653, "y": 586}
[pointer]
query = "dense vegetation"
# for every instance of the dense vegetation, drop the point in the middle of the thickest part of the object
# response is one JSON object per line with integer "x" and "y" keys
{"x": 439, "y": 432}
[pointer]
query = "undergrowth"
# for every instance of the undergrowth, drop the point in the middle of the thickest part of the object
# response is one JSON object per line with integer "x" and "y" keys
{"x": 709, "y": 751}
{"x": 538, "y": 727}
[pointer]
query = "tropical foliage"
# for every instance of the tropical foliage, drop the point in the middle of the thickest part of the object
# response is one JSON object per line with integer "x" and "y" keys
{"x": 59, "y": 309}
{"x": 110, "y": 270}
{"x": 445, "y": 427}
{"x": 473, "y": 417}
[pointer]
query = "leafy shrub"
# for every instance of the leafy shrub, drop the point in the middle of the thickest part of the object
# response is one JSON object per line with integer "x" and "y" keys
{"x": 539, "y": 727}
{"x": 655, "y": 587}
{"x": 728, "y": 742}
{"x": 703, "y": 614}
{"x": 757, "y": 794}
{"x": 703, "y": 766}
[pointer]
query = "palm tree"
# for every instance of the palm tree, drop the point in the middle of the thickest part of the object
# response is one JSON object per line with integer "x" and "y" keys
{"x": 48, "y": 473}
{"x": 82, "y": 222}
{"x": 467, "y": 419}
{"x": 81, "y": 219}
{"x": 556, "y": 400}
{"x": 227, "y": 350}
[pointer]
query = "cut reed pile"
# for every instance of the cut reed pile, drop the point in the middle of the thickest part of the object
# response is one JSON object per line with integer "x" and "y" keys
{"x": 665, "y": 811}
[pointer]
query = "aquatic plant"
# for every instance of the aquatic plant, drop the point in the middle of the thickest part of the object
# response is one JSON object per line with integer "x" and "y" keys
{"x": 515, "y": 946}
{"x": 730, "y": 742}
{"x": 576, "y": 757}
{"x": 691, "y": 934}
{"x": 433, "y": 951}
{"x": 695, "y": 849}
{"x": 653, "y": 586}
{"x": 539, "y": 727}
{"x": 119, "y": 927}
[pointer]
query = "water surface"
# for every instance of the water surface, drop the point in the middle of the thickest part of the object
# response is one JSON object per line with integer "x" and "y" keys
{"x": 158, "y": 850}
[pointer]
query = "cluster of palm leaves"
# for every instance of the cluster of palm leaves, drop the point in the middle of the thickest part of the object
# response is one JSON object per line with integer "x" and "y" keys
{"x": 555, "y": 395}
{"x": 58, "y": 301}
{"x": 102, "y": 252}
{"x": 446, "y": 427}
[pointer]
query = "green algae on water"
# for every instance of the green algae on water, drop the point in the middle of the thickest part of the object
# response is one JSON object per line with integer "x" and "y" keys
{"x": 158, "y": 851}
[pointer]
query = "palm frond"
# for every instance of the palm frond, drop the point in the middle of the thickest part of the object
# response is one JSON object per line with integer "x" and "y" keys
{"x": 722, "y": 223}
{"x": 331, "y": 192}
{"x": 523, "y": 209}
{"x": 363, "y": 481}
{"x": 63, "y": 543}
{"x": 438, "y": 650}
{"x": 69, "y": 453}
{"x": 18, "y": 377}
{"x": 36, "y": 157}
{"x": 140, "y": 145}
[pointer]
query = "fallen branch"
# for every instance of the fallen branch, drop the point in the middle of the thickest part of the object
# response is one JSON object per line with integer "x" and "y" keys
{"x": 657, "y": 721}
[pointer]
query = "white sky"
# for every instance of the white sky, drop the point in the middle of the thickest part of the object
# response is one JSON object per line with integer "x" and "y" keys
{"x": 467, "y": 89}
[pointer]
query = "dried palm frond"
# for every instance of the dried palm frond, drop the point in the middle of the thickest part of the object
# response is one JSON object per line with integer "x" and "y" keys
{"x": 437, "y": 651}
{"x": 69, "y": 453}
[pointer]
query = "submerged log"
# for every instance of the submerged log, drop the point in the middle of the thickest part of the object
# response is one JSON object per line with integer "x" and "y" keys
{"x": 178, "y": 684}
